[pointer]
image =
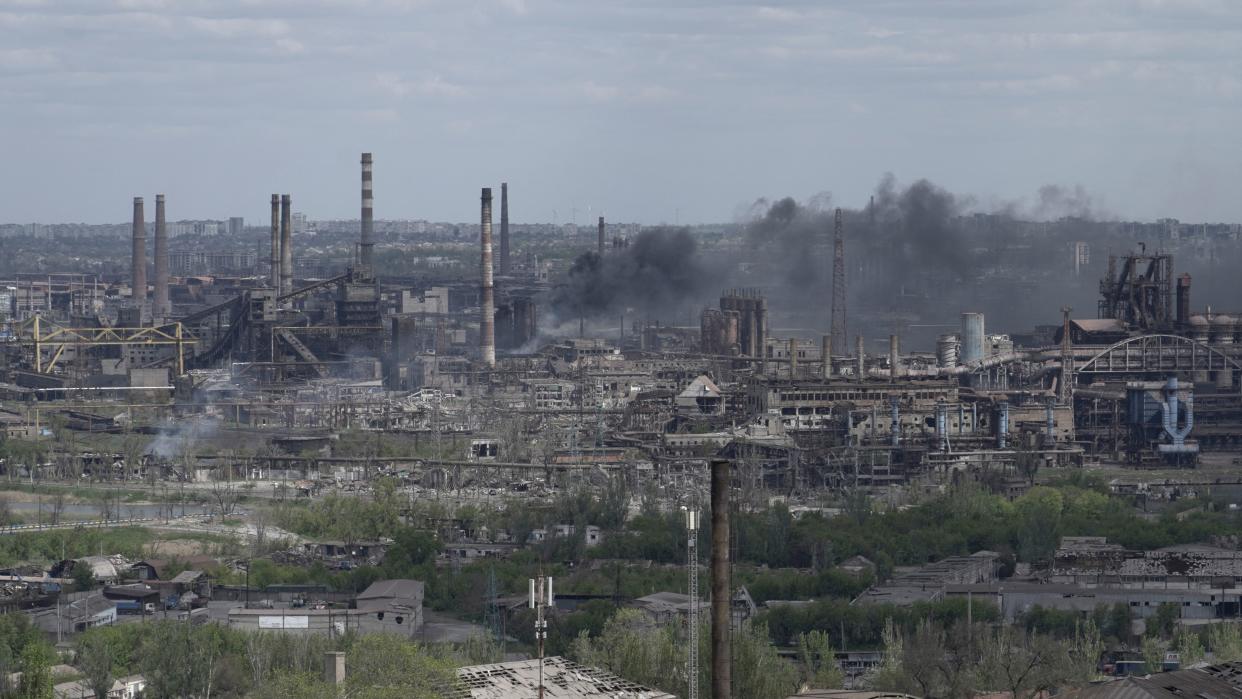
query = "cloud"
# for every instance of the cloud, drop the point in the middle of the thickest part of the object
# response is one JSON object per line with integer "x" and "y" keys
{"x": 764, "y": 90}
{"x": 398, "y": 86}
{"x": 517, "y": 7}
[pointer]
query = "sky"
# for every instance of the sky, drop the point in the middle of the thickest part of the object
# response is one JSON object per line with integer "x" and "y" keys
{"x": 655, "y": 111}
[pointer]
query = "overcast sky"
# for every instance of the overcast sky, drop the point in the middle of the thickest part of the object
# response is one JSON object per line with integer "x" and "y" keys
{"x": 642, "y": 110}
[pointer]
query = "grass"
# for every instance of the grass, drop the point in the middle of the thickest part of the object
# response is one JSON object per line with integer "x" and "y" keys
{"x": 131, "y": 542}
{"x": 80, "y": 492}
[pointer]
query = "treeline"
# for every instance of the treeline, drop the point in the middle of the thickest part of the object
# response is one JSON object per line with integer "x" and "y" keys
{"x": 183, "y": 660}
{"x": 863, "y": 625}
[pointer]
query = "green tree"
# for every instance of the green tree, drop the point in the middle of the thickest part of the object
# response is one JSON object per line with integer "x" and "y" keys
{"x": 1164, "y": 621}
{"x": 630, "y": 647}
{"x": 818, "y": 662}
{"x": 37, "y": 659}
{"x": 83, "y": 577}
{"x": 1224, "y": 641}
{"x": 1023, "y": 663}
{"x": 1038, "y": 519}
{"x": 94, "y": 659}
{"x": 382, "y": 666}
{"x": 294, "y": 685}
{"x": 1153, "y": 654}
{"x": 1189, "y": 647}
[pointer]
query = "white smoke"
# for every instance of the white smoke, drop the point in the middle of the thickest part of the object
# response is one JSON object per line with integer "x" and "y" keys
{"x": 175, "y": 437}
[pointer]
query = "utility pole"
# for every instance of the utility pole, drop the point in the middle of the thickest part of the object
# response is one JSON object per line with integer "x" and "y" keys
{"x": 692, "y": 565}
{"x": 540, "y": 599}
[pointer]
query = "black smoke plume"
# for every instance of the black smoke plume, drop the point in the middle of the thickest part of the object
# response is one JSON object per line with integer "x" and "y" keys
{"x": 661, "y": 268}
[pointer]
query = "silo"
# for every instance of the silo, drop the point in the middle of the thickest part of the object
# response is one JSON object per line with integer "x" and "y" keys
{"x": 972, "y": 338}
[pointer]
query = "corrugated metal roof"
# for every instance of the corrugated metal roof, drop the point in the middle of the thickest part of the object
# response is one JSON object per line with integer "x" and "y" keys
{"x": 562, "y": 679}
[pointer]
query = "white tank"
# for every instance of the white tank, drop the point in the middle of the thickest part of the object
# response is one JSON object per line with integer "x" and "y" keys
{"x": 973, "y": 338}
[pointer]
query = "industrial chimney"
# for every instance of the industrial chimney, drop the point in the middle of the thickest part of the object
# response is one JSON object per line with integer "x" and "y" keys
{"x": 826, "y": 357}
{"x": 160, "y": 308}
{"x": 367, "y": 245}
{"x": 487, "y": 326}
{"x": 286, "y": 244}
{"x": 894, "y": 357}
{"x": 860, "y": 353}
{"x": 504, "y": 229}
{"x": 138, "y": 261}
{"x": 275, "y": 259}
{"x": 601, "y": 236}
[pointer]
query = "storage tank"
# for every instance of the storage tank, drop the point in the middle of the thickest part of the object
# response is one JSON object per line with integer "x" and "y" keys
{"x": 973, "y": 338}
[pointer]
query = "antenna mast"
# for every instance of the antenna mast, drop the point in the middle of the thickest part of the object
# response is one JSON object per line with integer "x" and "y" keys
{"x": 692, "y": 565}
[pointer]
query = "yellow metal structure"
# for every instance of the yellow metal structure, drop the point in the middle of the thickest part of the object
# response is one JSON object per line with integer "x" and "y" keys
{"x": 44, "y": 335}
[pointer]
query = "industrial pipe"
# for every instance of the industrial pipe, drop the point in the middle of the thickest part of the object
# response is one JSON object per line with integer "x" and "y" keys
{"x": 1002, "y": 424}
{"x": 895, "y": 428}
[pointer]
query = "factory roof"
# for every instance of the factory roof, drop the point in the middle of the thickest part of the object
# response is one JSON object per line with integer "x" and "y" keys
{"x": 1211, "y": 681}
{"x": 385, "y": 594}
{"x": 701, "y": 387}
{"x": 562, "y": 679}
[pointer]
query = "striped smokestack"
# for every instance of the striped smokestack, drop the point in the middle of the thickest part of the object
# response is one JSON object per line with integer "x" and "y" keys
{"x": 160, "y": 307}
{"x": 286, "y": 244}
{"x": 275, "y": 259}
{"x": 487, "y": 327}
{"x": 138, "y": 261}
{"x": 504, "y": 229}
{"x": 367, "y": 245}
{"x": 601, "y": 236}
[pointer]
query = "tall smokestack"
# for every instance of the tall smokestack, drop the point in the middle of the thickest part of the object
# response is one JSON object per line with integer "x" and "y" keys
{"x": 1183, "y": 299}
{"x": 793, "y": 358}
{"x": 838, "y": 284}
{"x": 762, "y": 321}
{"x": 487, "y": 327}
{"x": 286, "y": 244}
{"x": 367, "y": 245}
{"x": 161, "y": 308}
{"x": 275, "y": 259}
{"x": 138, "y": 261}
{"x": 601, "y": 236}
{"x": 861, "y": 357}
{"x": 504, "y": 229}
{"x": 826, "y": 356}
{"x": 894, "y": 357}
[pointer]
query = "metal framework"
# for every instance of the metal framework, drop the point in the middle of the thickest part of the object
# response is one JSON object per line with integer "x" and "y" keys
{"x": 35, "y": 333}
{"x": 1140, "y": 293}
{"x": 1158, "y": 354}
{"x": 692, "y": 584}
